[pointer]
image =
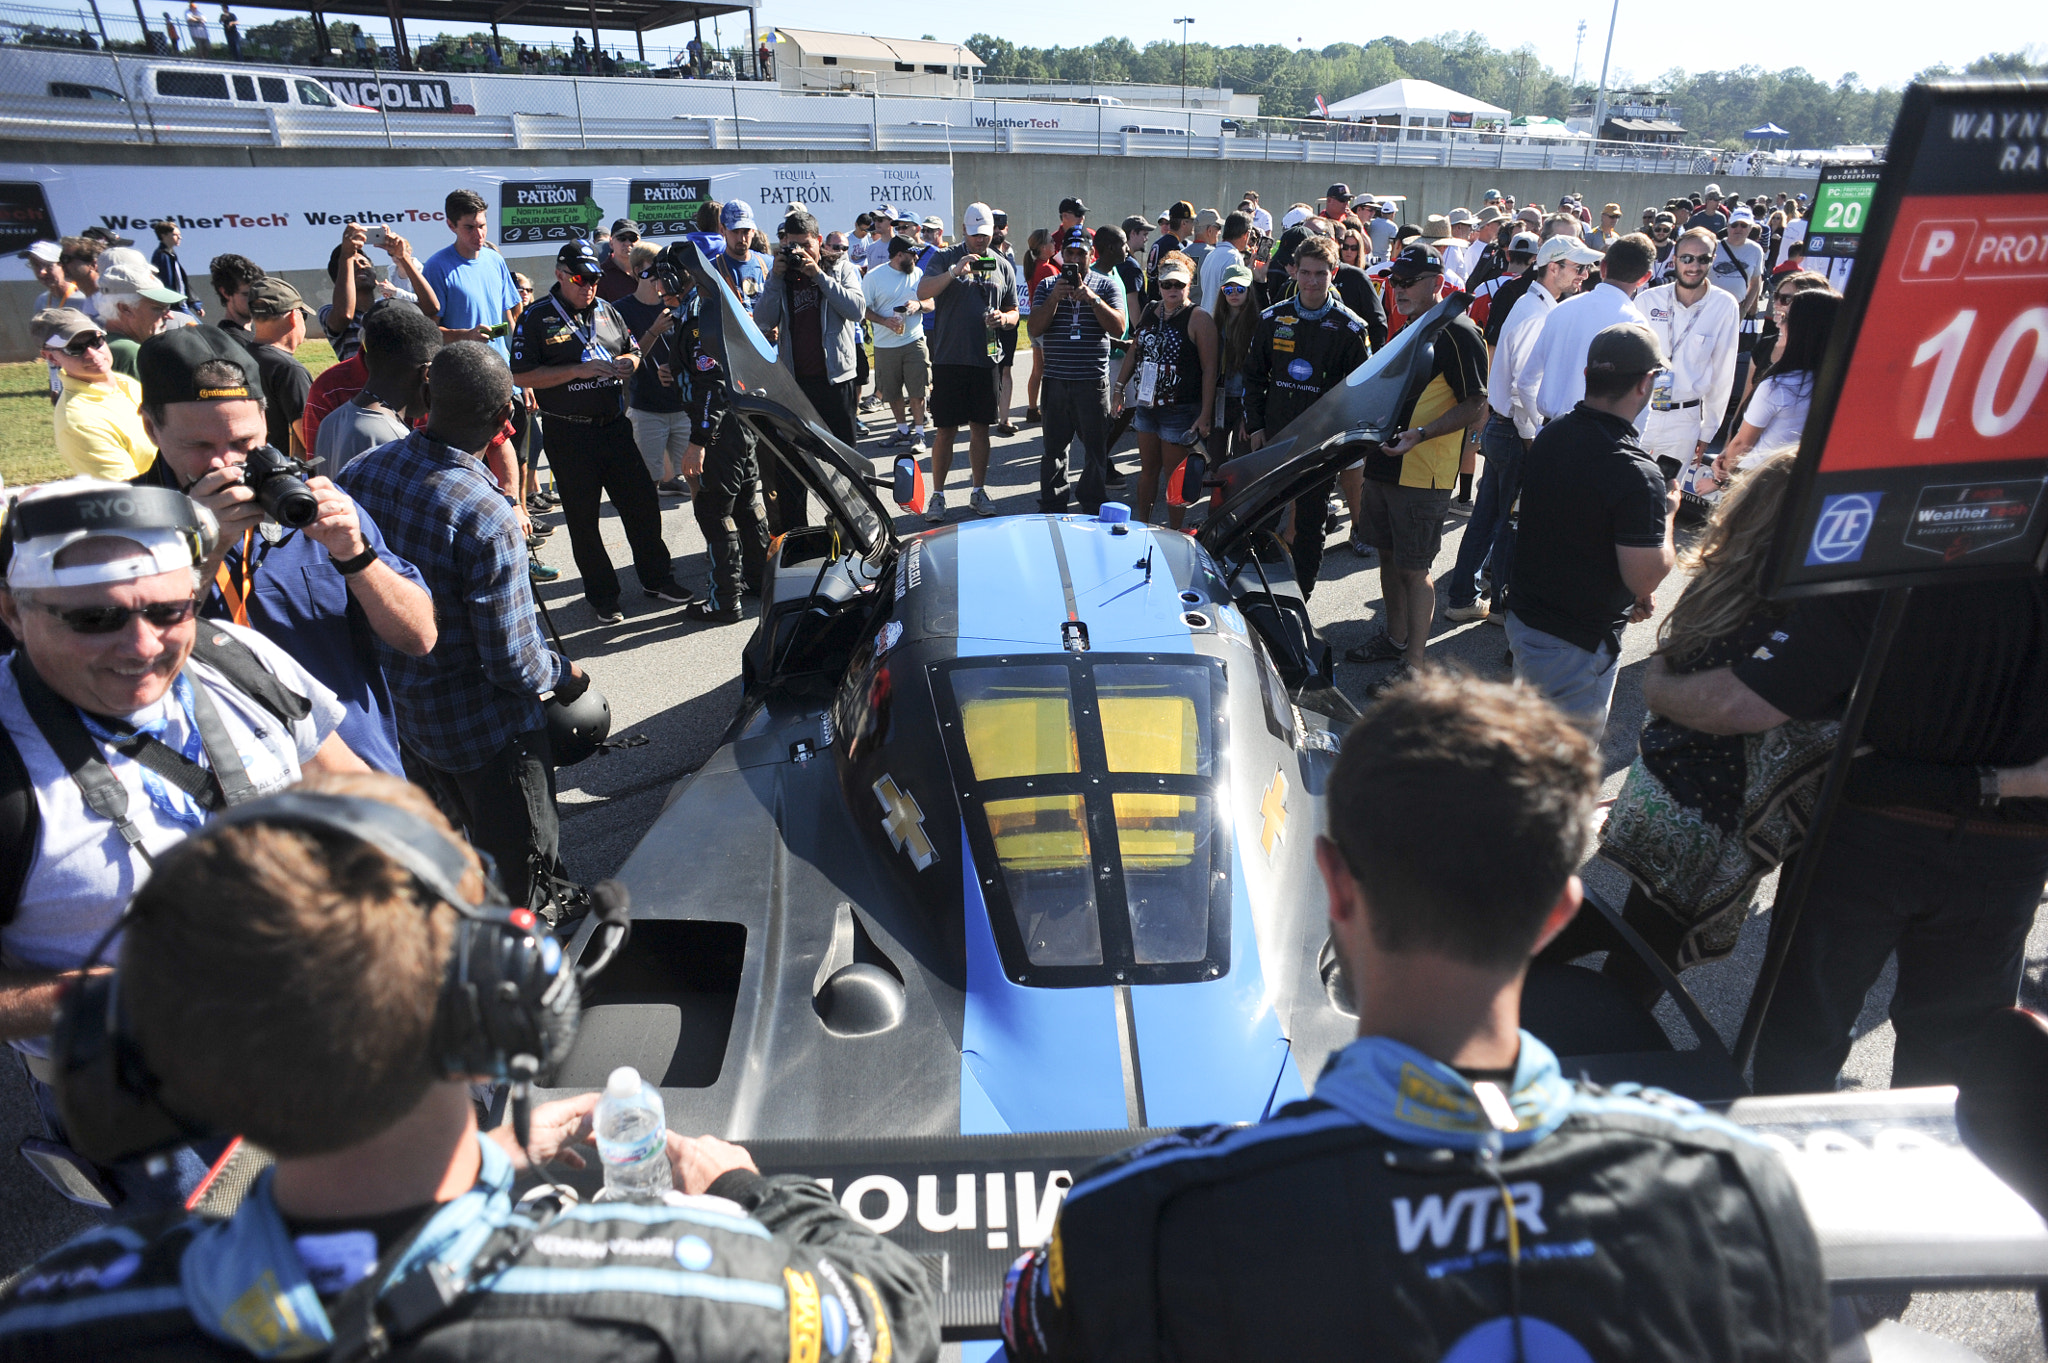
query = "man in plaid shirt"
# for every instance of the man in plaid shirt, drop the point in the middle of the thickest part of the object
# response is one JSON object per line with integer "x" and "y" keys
{"x": 469, "y": 712}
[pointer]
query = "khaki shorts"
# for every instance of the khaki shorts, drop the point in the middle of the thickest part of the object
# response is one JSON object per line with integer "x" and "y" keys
{"x": 902, "y": 370}
{"x": 1404, "y": 523}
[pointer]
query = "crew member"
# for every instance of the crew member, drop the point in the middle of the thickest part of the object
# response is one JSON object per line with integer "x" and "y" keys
{"x": 728, "y": 501}
{"x": 123, "y": 725}
{"x": 1304, "y": 346}
{"x": 1698, "y": 326}
{"x": 1446, "y": 1192}
{"x": 295, "y": 976}
{"x": 575, "y": 353}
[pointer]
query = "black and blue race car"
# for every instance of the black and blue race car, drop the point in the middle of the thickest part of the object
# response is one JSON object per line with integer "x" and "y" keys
{"x": 1007, "y": 856}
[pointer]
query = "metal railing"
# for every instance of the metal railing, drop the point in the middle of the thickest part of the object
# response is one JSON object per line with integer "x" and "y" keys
{"x": 76, "y": 96}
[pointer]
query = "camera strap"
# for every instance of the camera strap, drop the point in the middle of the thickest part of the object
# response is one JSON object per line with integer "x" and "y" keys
{"x": 234, "y": 587}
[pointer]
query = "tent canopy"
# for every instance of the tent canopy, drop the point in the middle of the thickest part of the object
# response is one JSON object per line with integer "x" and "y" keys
{"x": 1767, "y": 130}
{"x": 1413, "y": 97}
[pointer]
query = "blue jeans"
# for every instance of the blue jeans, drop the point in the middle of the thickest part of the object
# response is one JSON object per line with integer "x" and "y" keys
{"x": 1487, "y": 529}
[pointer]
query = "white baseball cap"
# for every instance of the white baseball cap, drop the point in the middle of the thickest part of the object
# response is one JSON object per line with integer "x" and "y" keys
{"x": 1566, "y": 248}
{"x": 1295, "y": 217}
{"x": 169, "y": 529}
{"x": 1742, "y": 214}
{"x": 979, "y": 220}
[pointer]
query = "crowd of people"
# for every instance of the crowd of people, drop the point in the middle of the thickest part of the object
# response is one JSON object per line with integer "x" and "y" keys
{"x": 362, "y": 548}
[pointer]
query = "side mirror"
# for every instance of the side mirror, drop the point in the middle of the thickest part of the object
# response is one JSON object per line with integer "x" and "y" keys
{"x": 908, "y": 485}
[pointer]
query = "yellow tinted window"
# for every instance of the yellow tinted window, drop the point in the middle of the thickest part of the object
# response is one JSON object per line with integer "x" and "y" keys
{"x": 1164, "y": 840}
{"x": 1018, "y": 721}
{"x": 1152, "y": 719}
{"x": 1042, "y": 847}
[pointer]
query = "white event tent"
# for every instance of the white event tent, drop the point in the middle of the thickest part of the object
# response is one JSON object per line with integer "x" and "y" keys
{"x": 1426, "y": 109}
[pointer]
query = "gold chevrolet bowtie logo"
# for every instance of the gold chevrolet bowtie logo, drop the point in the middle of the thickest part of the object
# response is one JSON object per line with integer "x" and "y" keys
{"x": 1273, "y": 808}
{"x": 903, "y": 821}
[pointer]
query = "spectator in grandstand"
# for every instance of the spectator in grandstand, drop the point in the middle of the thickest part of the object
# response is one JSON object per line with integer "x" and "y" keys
{"x": 97, "y": 421}
{"x": 231, "y": 275}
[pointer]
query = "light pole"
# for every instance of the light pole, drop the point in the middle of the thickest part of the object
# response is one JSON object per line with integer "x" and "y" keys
{"x": 1184, "y": 60}
{"x": 1600, "y": 101}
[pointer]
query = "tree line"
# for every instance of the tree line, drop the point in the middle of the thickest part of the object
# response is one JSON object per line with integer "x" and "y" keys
{"x": 1717, "y": 106}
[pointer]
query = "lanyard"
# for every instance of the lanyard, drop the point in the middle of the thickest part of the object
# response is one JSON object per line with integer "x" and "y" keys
{"x": 235, "y": 594}
{"x": 588, "y": 338}
{"x": 1678, "y": 306}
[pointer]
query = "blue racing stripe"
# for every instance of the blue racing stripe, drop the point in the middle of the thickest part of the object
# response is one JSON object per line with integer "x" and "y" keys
{"x": 1045, "y": 1059}
{"x": 1211, "y": 1050}
{"x": 653, "y": 1282}
{"x": 663, "y": 1213}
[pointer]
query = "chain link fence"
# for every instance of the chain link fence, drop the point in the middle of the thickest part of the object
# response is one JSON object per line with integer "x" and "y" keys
{"x": 80, "y": 95}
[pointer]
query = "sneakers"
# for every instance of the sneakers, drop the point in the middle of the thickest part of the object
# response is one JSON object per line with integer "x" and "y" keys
{"x": 607, "y": 615}
{"x": 672, "y": 592}
{"x": 1378, "y": 649}
{"x": 895, "y": 440}
{"x": 673, "y": 487}
{"x": 981, "y": 502}
{"x": 935, "y": 508}
{"x": 1005, "y": 428}
{"x": 704, "y": 613}
{"x": 540, "y": 572}
{"x": 1359, "y": 547}
{"x": 861, "y": 430}
{"x": 1391, "y": 680}
{"x": 1465, "y": 615}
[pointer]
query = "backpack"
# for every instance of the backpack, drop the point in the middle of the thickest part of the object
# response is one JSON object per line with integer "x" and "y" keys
{"x": 20, "y": 816}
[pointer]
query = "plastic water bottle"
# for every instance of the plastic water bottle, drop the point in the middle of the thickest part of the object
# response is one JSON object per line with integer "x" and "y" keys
{"x": 632, "y": 1138}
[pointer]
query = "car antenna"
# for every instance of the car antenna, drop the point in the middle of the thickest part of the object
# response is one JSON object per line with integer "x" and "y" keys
{"x": 1146, "y": 562}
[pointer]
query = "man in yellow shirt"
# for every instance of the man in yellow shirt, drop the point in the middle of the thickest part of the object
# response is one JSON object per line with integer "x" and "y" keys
{"x": 98, "y": 420}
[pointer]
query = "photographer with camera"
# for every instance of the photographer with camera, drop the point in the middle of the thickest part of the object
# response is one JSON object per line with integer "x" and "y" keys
{"x": 1074, "y": 316}
{"x": 325, "y": 972}
{"x": 297, "y": 560}
{"x": 124, "y": 724}
{"x": 813, "y": 308}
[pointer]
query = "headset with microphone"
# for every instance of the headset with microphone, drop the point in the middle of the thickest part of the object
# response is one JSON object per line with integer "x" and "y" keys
{"x": 508, "y": 1009}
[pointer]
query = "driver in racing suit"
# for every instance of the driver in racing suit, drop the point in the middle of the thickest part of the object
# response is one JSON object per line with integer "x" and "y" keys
{"x": 727, "y": 503}
{"x": 1303, "y": 347}
{"x": 288, "y": 985}
{"x": 1446, "y": 1192}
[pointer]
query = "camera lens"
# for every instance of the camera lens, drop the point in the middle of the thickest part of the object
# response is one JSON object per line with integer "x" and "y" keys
{"x": 280, "y": 489}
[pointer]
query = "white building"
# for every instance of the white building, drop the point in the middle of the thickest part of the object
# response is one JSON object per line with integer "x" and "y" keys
{"x": 806, "y": 59}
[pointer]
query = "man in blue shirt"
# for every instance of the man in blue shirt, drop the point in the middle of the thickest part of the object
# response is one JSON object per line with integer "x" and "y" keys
{"x": 322, "y": 593}
{"x": 470, "y": 711}
{"x": 479, "y": 300}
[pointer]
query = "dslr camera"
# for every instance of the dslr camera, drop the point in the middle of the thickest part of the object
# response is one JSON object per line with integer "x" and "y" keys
{"x": 279, "y": 482}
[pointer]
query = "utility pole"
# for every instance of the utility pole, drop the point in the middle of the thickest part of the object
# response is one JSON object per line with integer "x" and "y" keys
{"x": 1600, "y": 101}
{"x": 1576, "y": 49}
{"x": 1184, "y": 60}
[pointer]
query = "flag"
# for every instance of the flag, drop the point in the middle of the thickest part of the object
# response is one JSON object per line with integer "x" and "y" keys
{"x": 1322, "y": 106}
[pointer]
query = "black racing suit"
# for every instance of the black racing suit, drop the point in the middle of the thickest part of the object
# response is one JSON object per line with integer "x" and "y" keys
{"x": 1369, "y": 1223}
{"x": 728, "y": 500}
{"x": 1295, "y": 358}
{"x": 770, "y": 1268}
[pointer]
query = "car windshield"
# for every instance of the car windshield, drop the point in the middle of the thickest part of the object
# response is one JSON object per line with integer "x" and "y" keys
{"x": 1095, "y": 781}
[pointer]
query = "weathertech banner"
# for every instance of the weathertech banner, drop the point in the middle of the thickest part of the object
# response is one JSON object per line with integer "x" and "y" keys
{"x": 291, "y": 217}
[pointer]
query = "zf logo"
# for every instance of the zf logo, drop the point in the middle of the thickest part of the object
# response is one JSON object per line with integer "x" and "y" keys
{"x": 1845, "y": 521}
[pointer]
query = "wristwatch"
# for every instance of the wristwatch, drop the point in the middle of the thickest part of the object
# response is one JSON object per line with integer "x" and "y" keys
{"x": 349, "y": 567}
{"x": 1987, "y": 788}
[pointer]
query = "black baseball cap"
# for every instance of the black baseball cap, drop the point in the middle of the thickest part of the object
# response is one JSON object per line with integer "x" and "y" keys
{"x": 1413, "y": 263}
{"x": 579, "y": 258}
{"x": 1078, "y": 240}
{"x": 167, "y": 362}
{"x": 626, "y": 225}
{"x": 1338, "y": 191}
{"x": 1074, "y": 206}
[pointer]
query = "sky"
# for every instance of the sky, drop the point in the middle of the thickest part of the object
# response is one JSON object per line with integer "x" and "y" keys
{"x": 1887, "y": 43}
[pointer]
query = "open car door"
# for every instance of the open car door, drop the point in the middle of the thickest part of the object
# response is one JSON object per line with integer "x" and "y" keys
{"x": 765, "y": 395}
{"x": 1252, "y": 491}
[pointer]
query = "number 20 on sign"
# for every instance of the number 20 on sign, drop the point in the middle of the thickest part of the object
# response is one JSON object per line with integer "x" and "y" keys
{"x": 1954, "y": 351}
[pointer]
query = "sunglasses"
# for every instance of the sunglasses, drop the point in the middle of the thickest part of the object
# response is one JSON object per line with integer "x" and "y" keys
{"x": 1234, "y": 290}
{"x": 1166, "y": 284}
{"x": 1784, "y": 300}
{"x": 82, "y": 344}
{"x": 1688, "y": 258}
{"x": 1409, "y": 281}
{"x": 108, "y": 619}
